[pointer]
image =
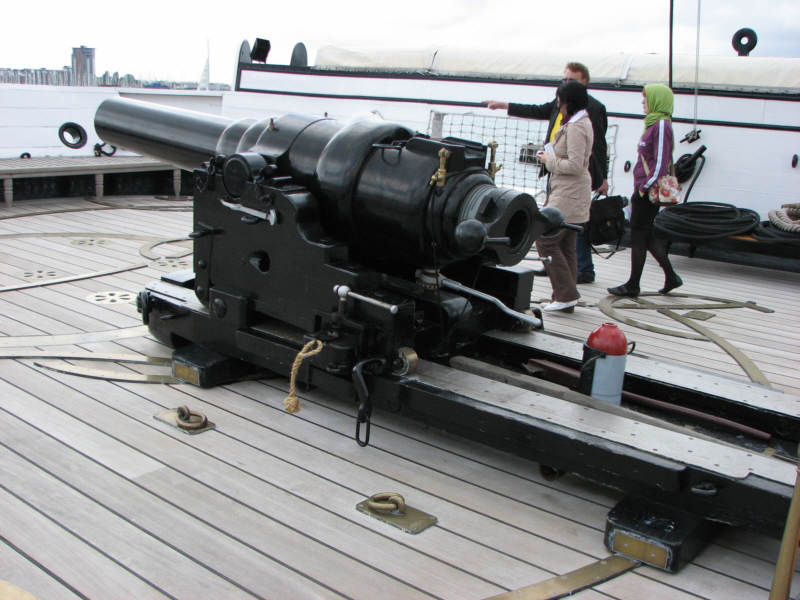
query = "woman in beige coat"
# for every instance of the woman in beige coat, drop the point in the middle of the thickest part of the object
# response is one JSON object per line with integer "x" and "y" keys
{"x": 569, "y": 190}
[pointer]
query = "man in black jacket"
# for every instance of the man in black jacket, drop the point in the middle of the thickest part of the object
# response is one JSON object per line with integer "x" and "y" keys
{"x": 598, "y": 161}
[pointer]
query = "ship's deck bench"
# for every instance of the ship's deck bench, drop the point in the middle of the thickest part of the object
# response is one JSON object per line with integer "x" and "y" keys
{"x": 16, "y": 168}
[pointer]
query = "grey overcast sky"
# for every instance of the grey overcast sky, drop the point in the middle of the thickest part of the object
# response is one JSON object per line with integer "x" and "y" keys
{"x": 168, "y": 39}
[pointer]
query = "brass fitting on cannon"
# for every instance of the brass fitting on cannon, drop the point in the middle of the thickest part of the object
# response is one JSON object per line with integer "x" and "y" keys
{"x": 493, "y": 166}
{"x": 440, "y": 177}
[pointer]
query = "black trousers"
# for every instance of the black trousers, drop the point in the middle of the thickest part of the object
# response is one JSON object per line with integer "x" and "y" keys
{"x": 643, "y": 239}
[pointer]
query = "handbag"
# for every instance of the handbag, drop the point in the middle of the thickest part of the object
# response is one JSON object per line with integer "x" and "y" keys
{"x": 667, "y": 190}
{"x": 606, "y": 220}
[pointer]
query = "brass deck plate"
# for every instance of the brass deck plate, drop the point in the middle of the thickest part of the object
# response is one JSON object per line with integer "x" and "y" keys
{"x": 70, "y": 278}
{"x": 412, "y": 521}
{"x": 186, "y": 373}
{"x": 699, "y": 315}
{"x": 8, "y": 591}
{"x": 114, "y": 373}
{"x": 69, "y": 339}
{"x": 170, "y": 417}
{"x": 638, "y": 549}
{"x": 572, "y": 582}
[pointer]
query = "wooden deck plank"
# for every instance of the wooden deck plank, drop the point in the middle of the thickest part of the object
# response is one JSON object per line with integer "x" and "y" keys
{"x": 301, "y": 484}
{"x": 114, "y": 245}
{"x": 15, "y": 309}
{"x": 520, "y": 479}
{"x": 486, "y": 514}
{"x": 704, "y": 354}
{"x": 64, "y": 314}
{"x": 346, "y": 436}
{"x": 24, "y": 572}
{"x": 122, "y": 238}
{"x": 732, "y": 368}
{"x": 64, "y": 256}
{"x": 304, "y": 552}
{"x": 501, "y": 525}
{"x": 211, "y": 528}
{"x": 103, "y": 220}
{"x": 448, "y": 451}
{"x": 727, "y": 322}
{"x": 706, "y": 583}
{"x": 32, "y": 206}
{"x": 631, "y": 587}
{"x": 60, "y": 303}
{"x": 14, "y": 268}
{"x": 137, "y": 550}
{"x": 139, "y": 222}
{"x": 733, "y": 563}
{"x": 243, "y": 492}
{"x": 60, "y": 551}
{"x": 758, "y": 330}
{"x": 15, "y": 325}
{"x": 648, "y": 596}
{"x": 703, "y": 573}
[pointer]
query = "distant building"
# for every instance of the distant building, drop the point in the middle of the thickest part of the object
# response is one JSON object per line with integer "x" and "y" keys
{"x": 37, "y": 76}
{"x": 83, "y": 66}
{"x": 82, "y": 73}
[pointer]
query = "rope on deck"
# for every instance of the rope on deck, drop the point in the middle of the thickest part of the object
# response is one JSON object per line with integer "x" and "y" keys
{"x": 312, "y": 348}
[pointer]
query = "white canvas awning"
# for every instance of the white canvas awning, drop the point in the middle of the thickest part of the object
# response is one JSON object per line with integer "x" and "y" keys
{"x": 716, "y": 72}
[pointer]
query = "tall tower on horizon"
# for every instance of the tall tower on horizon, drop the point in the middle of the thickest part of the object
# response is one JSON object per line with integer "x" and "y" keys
{"x": 83, "y": 66}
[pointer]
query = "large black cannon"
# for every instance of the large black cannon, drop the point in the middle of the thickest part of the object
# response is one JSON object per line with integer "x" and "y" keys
{"x": 364, "y": 246}
{"x": 378, "y": 242}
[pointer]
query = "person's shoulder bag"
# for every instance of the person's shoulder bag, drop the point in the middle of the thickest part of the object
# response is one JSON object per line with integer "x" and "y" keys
{"x": 667, "y": 190}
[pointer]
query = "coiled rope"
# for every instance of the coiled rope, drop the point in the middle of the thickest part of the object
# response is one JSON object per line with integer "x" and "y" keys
{"x": 792, "y": 210}
{"x": 786, "y": 218}
{"x": 782, "y": 228}
{"x": 698, "y": 222}
{"x": 312, "y": 348}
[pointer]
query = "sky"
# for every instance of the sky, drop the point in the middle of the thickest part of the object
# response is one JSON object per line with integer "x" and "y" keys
{"x": 171, "y": 39}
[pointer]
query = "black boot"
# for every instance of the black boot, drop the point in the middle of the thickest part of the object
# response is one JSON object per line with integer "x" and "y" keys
{"x": 624, "y": 290}
{"x": 670, "y": 284}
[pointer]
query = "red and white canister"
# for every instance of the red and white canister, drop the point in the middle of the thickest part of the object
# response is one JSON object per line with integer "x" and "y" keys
{"x": 603, "y": 368}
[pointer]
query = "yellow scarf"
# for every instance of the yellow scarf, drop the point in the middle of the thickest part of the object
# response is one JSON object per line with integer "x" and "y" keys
{"x": 556, "y": 126}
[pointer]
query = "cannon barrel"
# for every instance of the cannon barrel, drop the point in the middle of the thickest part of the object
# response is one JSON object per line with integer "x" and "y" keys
{"x": 181, "y": 137}
{"x": 375, "y": 181}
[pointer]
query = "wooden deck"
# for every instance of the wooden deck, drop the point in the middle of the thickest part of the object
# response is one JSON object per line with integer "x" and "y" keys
{"x": 100, "y": 500}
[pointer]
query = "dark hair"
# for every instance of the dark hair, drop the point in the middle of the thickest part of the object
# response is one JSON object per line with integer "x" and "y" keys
{"x": 574, "y": 95}
{"x": 581, "y": 68}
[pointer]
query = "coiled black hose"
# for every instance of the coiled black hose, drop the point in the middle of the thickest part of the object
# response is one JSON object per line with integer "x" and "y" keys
{"x": 685, "y": 168}
{"x": 767, "y": 232}
{"x": 698, "y": 222}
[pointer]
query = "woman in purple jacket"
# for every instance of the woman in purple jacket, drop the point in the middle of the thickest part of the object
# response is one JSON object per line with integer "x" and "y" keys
{"x": 653, "y": 160}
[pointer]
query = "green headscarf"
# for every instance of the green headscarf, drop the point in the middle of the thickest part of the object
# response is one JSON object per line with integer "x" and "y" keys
{"x": 659, "y": 103}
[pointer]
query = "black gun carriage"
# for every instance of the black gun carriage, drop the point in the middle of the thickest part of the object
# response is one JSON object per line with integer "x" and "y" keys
{"x": 381, "y": 249}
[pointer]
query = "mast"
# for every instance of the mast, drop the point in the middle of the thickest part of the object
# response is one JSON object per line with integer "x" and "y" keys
{"x": 671, "y": 28}
{"x": 204, "y": 76}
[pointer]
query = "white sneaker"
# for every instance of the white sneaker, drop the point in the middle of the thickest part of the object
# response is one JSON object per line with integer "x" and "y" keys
{"x": 566, "y": 307}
